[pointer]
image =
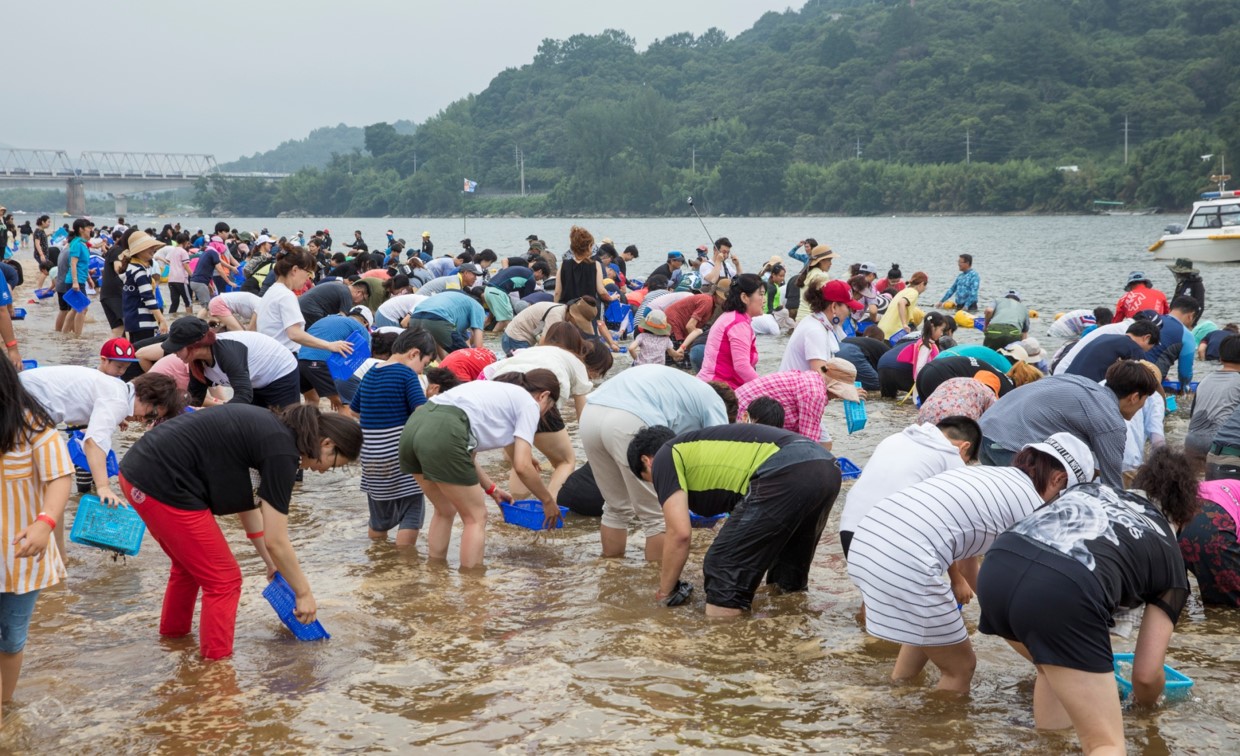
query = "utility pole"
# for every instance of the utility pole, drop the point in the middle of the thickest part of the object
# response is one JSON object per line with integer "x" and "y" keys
{"x": 968, "y": 147}
{"x": 522, "y": 155}
{"x": 693, "y": 161}
{"x": 1125, "y": 140}
{"x": 415, "y": 162}
{"x": 858, "y": 148}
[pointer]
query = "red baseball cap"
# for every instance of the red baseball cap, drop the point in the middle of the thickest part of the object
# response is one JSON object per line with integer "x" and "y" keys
{"x": 118, "y": 349}
{"x": 836, "y": 290}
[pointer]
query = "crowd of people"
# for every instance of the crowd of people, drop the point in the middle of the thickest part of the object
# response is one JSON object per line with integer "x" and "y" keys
{"x": 1055, "y": 468}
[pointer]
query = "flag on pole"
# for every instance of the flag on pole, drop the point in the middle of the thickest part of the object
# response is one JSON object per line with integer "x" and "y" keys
{"x": 471, "y": 186}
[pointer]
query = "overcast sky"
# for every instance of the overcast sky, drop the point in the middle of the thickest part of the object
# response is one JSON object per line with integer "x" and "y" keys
{"x": 231, "y": 77}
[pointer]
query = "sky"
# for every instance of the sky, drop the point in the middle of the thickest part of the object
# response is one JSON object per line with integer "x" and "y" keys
{"x": 232, "y": 77}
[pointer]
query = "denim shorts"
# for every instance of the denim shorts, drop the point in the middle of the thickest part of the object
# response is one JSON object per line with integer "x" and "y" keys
{"x": 15, "y": 612}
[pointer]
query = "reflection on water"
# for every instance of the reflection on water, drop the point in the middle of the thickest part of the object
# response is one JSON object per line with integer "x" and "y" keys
{"x": 553, "y": 648}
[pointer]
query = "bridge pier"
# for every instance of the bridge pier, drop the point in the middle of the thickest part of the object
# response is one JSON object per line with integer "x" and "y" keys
{"x": 75, "y": 197}
{"x": 122, "y": 204}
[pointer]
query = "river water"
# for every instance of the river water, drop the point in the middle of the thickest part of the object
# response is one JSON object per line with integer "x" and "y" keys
{"x": 553, "y": 648}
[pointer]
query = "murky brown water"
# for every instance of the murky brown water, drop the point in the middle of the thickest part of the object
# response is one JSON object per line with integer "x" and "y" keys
{"x": 554, "y": 649}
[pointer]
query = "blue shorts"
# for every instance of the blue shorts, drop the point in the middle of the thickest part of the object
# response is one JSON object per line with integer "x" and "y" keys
{"x": 511, "y": 345}
{"x": 15, "y": 612}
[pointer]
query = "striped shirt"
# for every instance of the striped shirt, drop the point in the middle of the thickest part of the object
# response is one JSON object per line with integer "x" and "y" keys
{"x": 907, "y": 541}
{"x": 384, "y": 400}
{"x": 1062, "y": 403}
{"x": 802, "y": 394}
{"x": 138, "y": 301}
{"x": 24, "y": 471}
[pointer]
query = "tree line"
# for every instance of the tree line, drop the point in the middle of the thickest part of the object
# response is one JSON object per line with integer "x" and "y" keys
{"x": 844, "y": 106}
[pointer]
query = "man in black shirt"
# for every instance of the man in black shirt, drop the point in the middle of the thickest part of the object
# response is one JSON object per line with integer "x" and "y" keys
{"x": 359, "y": 244}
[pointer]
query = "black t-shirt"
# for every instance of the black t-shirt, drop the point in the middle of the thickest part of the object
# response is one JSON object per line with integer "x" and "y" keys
{"x": 873, "y": 349}
{"x": 942, "y": 369}
{"x": 40, "y": 237}
{"x": 1121, "y": 539}
{"x": 1093, "y": 359}
{"x": 664, "y": 270}
{"x": 202, "y": 460}
{"x": 518, "y": 262}
{"x": 714, "y": 465}
{"x": 111, "y": 285}
{"x": 344, "y": 270}
{"x": 331, "y": 298}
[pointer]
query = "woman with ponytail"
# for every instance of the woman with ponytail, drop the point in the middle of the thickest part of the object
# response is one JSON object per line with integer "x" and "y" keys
{"x": 180, "y": 509}
{"x": 280, "y": 316}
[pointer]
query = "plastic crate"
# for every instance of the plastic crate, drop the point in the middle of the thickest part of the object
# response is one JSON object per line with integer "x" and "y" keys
{"x": 848, "y": 470}
{"x": 281, "y": 597}
{"x": 1178, "y": 687}
{"x": 44, "y": 293}
{"x": 1175, "y": 385}
{"x": 29, "y": 364}
{"x": 77, "y": 300}
{"x": 698, "y": 521}
{"x": 979, "y": 323}
{"x": 342, "y": 366}
{"x": 78, "y": 455}
{"x": 19, "y": 313}
{"x": 854, "y": 414}
{"x": 528, "y": 513}
{"x": 119, "y": 529}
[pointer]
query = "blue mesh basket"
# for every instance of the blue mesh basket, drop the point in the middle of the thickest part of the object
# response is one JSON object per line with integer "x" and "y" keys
{"x": 119, "y": 529}
{"x": 848, "y": 470}
{"x": 698, "y": 521}
{"x": 528, "y": 513}
{"x": 854, "y": 414}
{"x": 78, "y": 455}
{"x": 281, "y": 597}
{"x": 77, "y": 300}
{"x": 979, "y": 323}
{"x": 29, "y": 364}
{"x": 19, "y": 313}
{"x": 343, "y": 366}
{"x": 1177, "y": 688}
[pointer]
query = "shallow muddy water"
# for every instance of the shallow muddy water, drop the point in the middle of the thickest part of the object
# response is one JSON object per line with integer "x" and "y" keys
{"x": 552, "y": 648}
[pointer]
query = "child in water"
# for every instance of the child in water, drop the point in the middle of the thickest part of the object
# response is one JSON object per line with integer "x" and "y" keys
{"x": 654, "y": 343}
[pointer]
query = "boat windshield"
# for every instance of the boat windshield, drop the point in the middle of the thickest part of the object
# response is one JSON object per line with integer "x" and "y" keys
{"x": 1216, "y": 216}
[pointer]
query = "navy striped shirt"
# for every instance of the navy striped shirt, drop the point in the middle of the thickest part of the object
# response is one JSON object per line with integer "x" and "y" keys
{"x": 384, "y": 400}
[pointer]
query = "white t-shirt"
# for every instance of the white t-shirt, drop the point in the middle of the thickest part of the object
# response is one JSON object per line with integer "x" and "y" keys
{"x": 279, "y": 310}
{"x": 267, "y": 359}
{"x": 498, "y": 412}
{"x": 242, "y": 304}
{"x": 902, "y": 459}
{"x": 1072, "y": 323}
{"x": 398, "y": 307}
{"x": 570, "y": 371}
{"x": 79, "y": 396}
{"x": 811, "y": 340}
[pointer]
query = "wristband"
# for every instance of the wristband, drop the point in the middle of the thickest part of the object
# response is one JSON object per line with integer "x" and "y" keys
{"x": 490, "y": 491}
{"x": 255, "y": 534}
{"x": 46, "y": 518}
{"x": 10, "y": 344}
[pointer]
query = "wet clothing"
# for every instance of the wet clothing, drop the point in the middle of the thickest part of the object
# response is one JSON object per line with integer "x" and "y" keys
{"x": 1038, "y": 593}
{"x": 1209, "y": 546}
{"x": 1093, "y": 359}
{"x": 779, "y": 490}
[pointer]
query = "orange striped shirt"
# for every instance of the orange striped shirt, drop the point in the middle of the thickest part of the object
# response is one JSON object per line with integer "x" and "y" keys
{"x": 24, "y": 472}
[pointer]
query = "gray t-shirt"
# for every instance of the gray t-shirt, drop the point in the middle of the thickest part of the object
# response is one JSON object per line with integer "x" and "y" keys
{"x": 1009, "y": 312}
{"x": 1218, "y": 395}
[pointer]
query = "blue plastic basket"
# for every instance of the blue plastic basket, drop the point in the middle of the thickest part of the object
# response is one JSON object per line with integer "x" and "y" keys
{"x": 78, "y": 455}
{"x": 281, "y": 597}
{"x": 1175, "y": 385}
{"x": 44, "y": 293}
{"x": 848, "y": 470}
{"x": 979, "y": 323}
{"x": 528, "y": 513}
{"x": 77, "y": 300}
{"x": 854, "y": 413}
{"x": 19, "y": 313}
{"x": 119, "y": 529}
{"x": 29, "y": 364}
{"x": 342, "y": 366}
{"x": 1179, "y": 685}
{"x": 698, "y": 521}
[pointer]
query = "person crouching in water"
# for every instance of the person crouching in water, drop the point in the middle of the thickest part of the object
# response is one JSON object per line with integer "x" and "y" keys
{"x": 779, "y": 495}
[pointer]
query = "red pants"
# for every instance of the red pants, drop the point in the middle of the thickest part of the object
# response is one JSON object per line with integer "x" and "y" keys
{"x": 201, "y": 560}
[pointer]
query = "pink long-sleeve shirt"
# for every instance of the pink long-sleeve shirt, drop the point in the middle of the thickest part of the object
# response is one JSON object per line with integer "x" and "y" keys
{"x": 731, "y": 351}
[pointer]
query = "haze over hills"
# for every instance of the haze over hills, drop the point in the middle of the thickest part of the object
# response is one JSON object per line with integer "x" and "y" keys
{"x": 313, "y": 151}
{"x": 848, "y": 106}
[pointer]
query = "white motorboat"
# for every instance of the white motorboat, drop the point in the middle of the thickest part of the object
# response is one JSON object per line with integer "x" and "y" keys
{"x": 1211, "y": 235}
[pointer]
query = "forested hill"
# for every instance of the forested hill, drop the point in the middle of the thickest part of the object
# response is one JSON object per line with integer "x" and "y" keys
{"x": 315, "y": 151}
{"x": 842, "y": 106}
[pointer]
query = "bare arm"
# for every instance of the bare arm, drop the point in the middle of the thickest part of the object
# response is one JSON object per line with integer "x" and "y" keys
{"x": 252, "y": 523}
{"x": 280, "y": 548}
{"x": 675, "y": 543}
{"x": 1148, "y": 677}
{"x": 297, "y": 332}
